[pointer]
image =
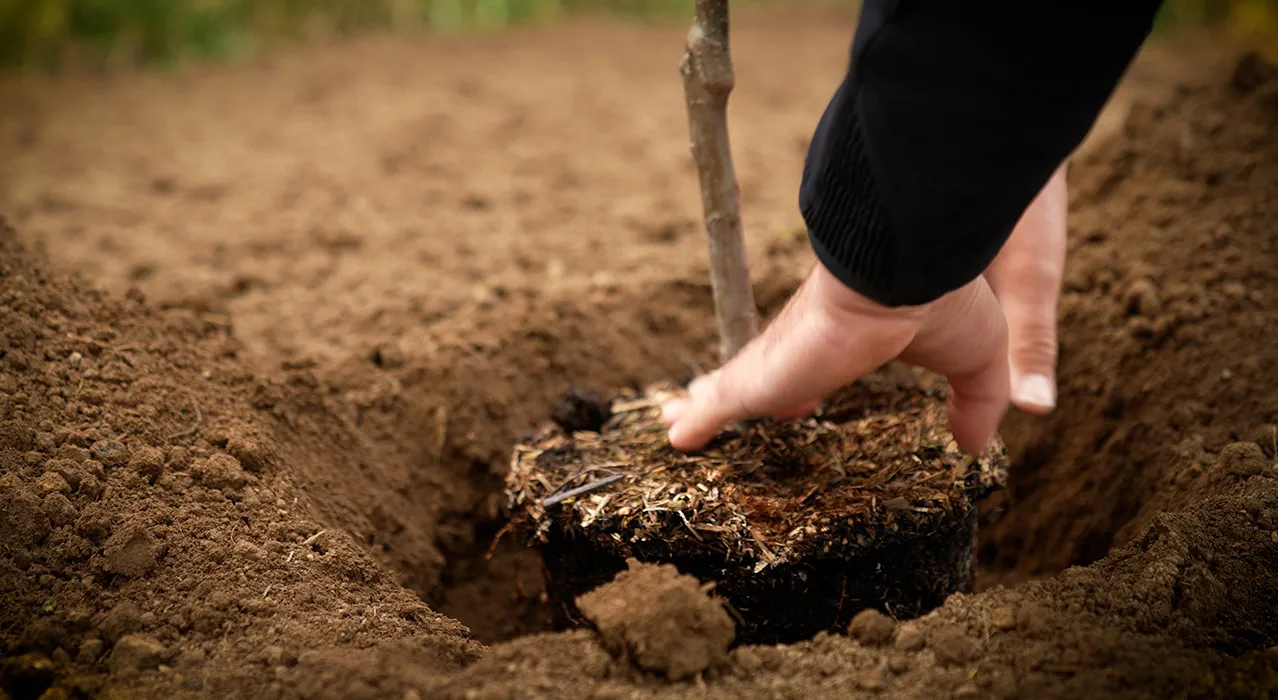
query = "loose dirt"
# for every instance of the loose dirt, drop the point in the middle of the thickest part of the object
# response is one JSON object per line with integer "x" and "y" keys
{"x": 269, "y": 331}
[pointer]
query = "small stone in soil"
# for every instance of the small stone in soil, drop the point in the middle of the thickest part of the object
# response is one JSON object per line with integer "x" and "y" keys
{"x": 581, "y": 410}
{"x": 661, "y": 620}
{"x": 872, "y": 628}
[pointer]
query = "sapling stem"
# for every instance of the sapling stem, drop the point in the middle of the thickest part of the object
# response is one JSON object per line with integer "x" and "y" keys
{"x": 707, "y": 81}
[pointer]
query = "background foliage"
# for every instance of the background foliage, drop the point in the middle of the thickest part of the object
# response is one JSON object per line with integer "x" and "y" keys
{"x": 43, "y": 34}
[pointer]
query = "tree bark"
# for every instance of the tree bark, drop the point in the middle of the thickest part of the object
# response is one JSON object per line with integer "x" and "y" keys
{"x": 707, "y": 81}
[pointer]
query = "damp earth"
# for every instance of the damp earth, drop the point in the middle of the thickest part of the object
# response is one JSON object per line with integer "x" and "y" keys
{"x": 270, "y": 331}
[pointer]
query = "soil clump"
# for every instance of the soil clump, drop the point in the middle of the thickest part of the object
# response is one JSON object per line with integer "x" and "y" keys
{"x": 660, "y": 620}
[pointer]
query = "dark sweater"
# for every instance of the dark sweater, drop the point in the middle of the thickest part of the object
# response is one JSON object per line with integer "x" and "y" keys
{"x": 952, "y": 117}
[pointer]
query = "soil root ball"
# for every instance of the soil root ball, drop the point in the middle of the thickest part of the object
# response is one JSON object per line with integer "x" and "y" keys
{"x": 660, "y": 620}
{"x": 798, "y": 524}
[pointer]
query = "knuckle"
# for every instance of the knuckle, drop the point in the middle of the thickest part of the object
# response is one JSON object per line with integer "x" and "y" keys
{"x": 1040, "y": 347}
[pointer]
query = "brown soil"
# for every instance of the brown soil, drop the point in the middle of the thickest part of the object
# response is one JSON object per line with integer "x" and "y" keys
{"x": 1167, "y": 321}
{"x": 267, "y": 460}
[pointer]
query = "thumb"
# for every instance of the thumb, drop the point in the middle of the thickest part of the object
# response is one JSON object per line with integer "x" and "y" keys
{"x": 1032, "y": 344}
{"x": 1026, "y": 276}
{"x": 825, "y": 337}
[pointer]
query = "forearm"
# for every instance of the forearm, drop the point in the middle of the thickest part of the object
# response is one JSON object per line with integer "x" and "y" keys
{"x": 949, "y": 122}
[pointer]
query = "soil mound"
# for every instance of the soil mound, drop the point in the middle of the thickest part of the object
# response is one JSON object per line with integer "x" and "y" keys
{"x": 158, "y": 520}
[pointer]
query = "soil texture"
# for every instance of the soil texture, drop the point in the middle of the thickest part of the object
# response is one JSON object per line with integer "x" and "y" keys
{"x": 270, "y": 331}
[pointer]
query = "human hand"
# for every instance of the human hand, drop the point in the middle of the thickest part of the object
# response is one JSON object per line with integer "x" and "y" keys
{"x": 1026, "y": 277}
{"x": 827, "y": 336}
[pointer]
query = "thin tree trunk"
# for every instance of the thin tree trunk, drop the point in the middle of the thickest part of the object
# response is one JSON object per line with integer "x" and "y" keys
{"x": 707, "y": 81}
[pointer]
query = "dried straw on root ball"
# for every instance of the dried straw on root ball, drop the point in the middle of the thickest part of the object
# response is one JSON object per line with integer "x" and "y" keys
{"x": 799, "y": 524}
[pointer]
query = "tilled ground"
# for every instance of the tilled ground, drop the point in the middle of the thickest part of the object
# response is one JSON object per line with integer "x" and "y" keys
{"x": 340, "y": 283}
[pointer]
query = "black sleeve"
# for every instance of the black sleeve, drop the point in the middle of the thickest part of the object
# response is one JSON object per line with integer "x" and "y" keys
{"x": 952, "y": 117}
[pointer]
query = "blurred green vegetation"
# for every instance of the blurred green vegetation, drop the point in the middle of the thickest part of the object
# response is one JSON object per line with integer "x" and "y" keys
{"x": 46, "y": 33}
{"x": 43, "y": 34}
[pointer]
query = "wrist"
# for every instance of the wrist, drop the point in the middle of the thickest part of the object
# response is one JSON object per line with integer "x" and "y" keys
{"x": 844, "y": 300}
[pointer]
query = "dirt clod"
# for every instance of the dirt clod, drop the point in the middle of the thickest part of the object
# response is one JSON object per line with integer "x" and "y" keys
{"x": 111, "y": 453}
{"x": 660, "y": 620}
{"x": 388, "y": 356}
{"x": 872, "y": 628}
{"x": 137, "y": 652}
{"x": 1142, "y": 298}
{"x": 952, "y": 646}
{"x": 252, "y": 454}
{"x": 220, "y": 471}
{"x": 1266, "y": 436}
{"x": 581, "y": 409}
{"x": 69, "y": 469}
{"x": 148, "y": 461}
{"x": 131, "y": 551}
{"x": 124, "y": 618}
{"x": 1252, "y": 71}
{"x": 52, "y": 482}
{"x": 59, "y": 509}
{"x": 910, "y": 637}
{"x": 90, "y": 650}
{"x": 1033, "y": 619}
{"x": 871, "y": 679}
{"x": 1003, "y": 618}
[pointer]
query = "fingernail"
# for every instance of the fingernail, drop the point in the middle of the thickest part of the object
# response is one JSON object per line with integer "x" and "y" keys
{"x": 671, "y": 410}
{"x": 675, "y": 433}
{"x": 1036, "y": 390}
